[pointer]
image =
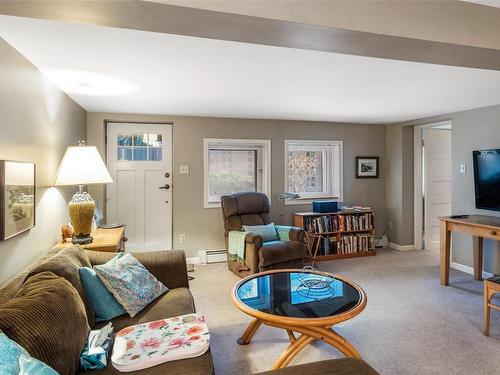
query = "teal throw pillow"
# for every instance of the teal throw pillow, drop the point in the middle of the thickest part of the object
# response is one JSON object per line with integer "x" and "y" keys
{"x": 15, "y": 360}
{"x": 268, "y": 232}
{"x": 133, "y": 286}
{"x": 105, "y": 306}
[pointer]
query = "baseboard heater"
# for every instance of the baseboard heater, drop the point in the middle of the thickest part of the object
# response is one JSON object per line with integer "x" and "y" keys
{"x": 212, "y": 256}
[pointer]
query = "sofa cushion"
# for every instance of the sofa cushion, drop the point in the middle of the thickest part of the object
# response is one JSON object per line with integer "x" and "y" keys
{"x": 201, "y": 365}
{"x": 133, "y": 286}
{"x": 341, "y": 366}
{"x": 274, "y": 252}
{"x": 178, "y": 301}
{"x": 66, "y": 264}
{"x": 105, "y": 306}
{"x": 47, "y": 318}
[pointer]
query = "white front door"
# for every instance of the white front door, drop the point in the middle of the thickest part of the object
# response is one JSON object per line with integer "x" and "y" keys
{"x": 437, "y": 182}
{"x": 139, "y": 158}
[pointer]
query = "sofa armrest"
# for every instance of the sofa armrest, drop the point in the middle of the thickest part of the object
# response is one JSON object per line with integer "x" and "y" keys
{"x": 254, "y": 239}
{"x": 297, "y": 234}
{"x": 168, "y": 266}
{"x": 293, "y": 233}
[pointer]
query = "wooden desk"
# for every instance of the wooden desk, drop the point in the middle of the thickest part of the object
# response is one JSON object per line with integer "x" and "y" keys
{"x": 479, "y": 227}
{"x": 109, "y": 240}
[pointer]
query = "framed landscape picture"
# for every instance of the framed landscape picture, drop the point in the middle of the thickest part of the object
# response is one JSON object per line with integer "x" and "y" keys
{"x": 367, "y": 166}
{"x": 17, "y": 198}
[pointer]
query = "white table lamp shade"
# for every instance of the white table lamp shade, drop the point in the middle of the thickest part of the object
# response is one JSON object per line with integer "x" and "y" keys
{"x": 82, "y": 165}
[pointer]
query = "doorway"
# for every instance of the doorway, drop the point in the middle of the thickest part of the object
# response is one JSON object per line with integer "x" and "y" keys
{"x": 139, "y": 159}
{"x": 432, "y": 181}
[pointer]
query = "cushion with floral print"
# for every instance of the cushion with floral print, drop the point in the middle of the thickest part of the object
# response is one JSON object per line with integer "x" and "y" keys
{"x": 132, "y": 285}
{"x": 149, "y": 344}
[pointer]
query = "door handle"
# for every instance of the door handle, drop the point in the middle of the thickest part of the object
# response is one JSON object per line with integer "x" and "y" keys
{"x": 166, "y": 186}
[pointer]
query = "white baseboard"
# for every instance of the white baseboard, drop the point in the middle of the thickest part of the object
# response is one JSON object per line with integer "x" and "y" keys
{"x": 395, "y": 246}
{"x": 193, "y": 260}
{"x": 469, "y": 270}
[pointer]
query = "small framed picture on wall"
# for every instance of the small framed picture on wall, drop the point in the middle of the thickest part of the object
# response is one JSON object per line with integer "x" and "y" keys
{"x": 367, "y": 166}
{"x": 17, "y": 198}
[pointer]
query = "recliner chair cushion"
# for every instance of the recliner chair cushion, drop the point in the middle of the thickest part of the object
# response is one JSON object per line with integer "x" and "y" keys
{"x": 280, "y": 251}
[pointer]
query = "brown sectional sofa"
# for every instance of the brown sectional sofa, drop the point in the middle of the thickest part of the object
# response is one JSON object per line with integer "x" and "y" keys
{"x": 167, "y": 266}
{"x": 170, "y": 268}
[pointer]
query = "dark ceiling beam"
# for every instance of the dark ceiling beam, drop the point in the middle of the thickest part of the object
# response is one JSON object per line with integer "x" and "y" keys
{"x": 171, "y": 19}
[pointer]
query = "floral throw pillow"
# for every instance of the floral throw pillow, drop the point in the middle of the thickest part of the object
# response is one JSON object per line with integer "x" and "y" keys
{"x": 133, "y": 286}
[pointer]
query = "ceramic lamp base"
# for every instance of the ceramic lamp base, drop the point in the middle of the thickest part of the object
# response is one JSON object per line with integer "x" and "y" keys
{"x": 82, "y": 239}
{"x": 81, "y": 211}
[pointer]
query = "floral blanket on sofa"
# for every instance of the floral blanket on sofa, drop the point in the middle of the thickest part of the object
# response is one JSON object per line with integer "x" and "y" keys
{"x": 145, "y": 345}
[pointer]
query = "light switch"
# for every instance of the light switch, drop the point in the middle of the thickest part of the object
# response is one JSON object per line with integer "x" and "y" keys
{"x": 463, "y": 168}
{"x": 184, "y": 169}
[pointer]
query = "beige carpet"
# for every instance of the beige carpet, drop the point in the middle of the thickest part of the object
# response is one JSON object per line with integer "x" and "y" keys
{"x": 411, "y": 325}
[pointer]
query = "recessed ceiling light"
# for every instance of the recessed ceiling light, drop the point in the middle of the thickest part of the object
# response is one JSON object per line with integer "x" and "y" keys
{"x": 83, "y": 82}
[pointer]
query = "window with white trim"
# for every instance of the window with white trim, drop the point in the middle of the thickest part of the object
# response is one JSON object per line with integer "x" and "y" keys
{"x": 314, "y": 169}
{"x": 235, "y": 165}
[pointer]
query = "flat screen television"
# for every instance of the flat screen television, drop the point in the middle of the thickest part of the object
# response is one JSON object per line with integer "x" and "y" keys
{"x": 487, "y": 179}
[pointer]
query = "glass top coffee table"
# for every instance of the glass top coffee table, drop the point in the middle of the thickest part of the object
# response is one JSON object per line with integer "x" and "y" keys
{"x": 304, "y": 301}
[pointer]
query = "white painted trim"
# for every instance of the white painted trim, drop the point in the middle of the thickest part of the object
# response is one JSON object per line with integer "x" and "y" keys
{"x": 469, "y": 270}
{"x": 417, "y": 177}
{"x": 331, "y": 178}
{"x": 266, "y": 155}
{"x": 395, "y": 246}
{"x": 193, "y": 260}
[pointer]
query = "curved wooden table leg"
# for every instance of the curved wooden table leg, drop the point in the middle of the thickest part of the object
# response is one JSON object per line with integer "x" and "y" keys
{"x": 334, "y": 339}
{"x": 291, "y": 336}
{"x": 249, "y": 332}
{"x": 292, "y": 351}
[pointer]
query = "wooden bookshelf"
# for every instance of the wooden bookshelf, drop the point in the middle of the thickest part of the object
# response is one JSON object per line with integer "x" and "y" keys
{"x": 349, "y": 234}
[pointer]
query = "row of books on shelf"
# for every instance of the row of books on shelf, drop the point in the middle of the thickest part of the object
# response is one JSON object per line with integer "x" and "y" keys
{"x": 347, "y": 245}
{"x": 322, "y": 224}
{"x": 356, "y": 222}
{"x": 332, "y": 223}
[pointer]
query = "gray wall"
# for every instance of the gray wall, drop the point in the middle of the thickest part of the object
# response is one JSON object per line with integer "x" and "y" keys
{"x": 472, "y": 130}
{"x": 399, "y": 187}
{"x": 203, "y": 227}
{"x": 37, "y": 122}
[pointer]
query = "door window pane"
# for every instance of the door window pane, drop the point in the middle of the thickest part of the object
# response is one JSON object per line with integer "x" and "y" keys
{"x": 231, "y": 171}
{"x": 140, "y": 147}
{"x": 305, "y": 171}
{"x": 154, "y": 140}
{"x": 124, "y": 153}
{"x": 124, "y": 140}
{"x": 140, "y": 139}
{"x": 155, "y": 154}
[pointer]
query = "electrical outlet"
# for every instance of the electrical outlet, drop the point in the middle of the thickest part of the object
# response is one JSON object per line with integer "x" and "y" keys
{"x": 182, "y": 237}
{"x": 463, "y": 168}
{"x": 389, "y": 225}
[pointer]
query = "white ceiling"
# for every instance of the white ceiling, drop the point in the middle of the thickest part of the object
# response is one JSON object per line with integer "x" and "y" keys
{"x": 127, "y": 71}
{"x": 491, "y": 3}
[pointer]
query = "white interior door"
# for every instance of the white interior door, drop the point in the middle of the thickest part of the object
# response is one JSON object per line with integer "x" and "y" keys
{"x": 437, "y": 182}
{"x": 139, "y": 158}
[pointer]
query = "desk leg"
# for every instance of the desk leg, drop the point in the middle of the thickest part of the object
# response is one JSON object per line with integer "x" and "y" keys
{"x": 477, "y": 252}
{"x": 444, "y": 259}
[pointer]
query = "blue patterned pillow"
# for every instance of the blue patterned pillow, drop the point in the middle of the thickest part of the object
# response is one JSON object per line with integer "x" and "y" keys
{"x": 15, "y": 360}
{"x": 105, "y": 306}
{"x": 130, "y": 283}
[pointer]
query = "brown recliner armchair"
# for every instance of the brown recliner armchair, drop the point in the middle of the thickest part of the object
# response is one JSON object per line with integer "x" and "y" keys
{"x": 253, "y": 209}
